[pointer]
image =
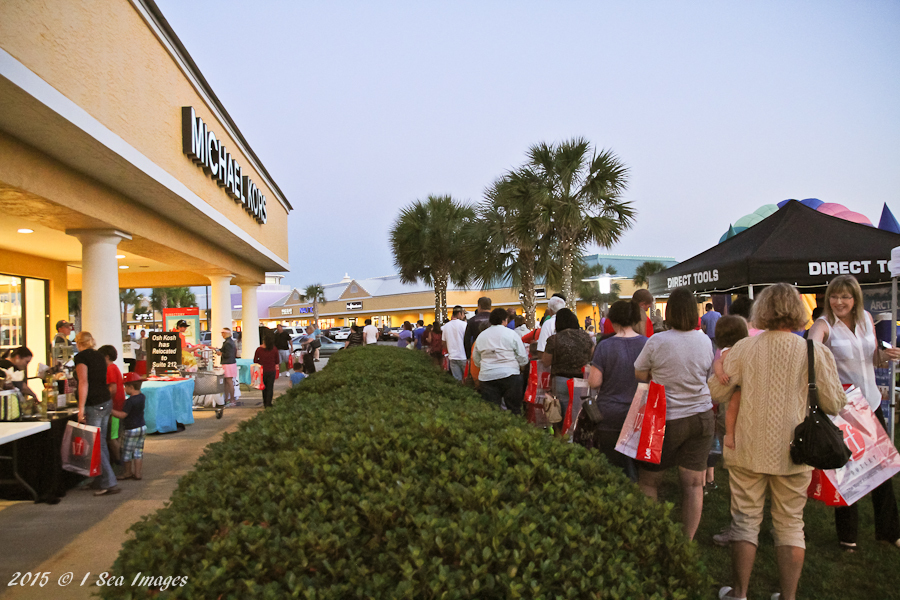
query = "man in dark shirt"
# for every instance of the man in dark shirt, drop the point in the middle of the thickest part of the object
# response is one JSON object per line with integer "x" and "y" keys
{"x": 284, "y": 345}
{"x": 477, "y": 324}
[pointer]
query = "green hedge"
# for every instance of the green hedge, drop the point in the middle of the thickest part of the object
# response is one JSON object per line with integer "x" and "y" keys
{"x": 380, "y": 477}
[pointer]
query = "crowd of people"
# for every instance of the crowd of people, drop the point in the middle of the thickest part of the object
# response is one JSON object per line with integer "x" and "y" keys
{"x": 735, "y": 386}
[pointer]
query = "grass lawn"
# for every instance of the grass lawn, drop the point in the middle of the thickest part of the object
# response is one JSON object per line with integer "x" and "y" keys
{"x": 871, "y": 573}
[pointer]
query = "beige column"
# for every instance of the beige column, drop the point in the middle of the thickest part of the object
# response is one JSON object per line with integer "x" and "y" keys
{"x": 249, "y": 320}
{"x": 101, "y": 312}
{"x": 219, "y": 304}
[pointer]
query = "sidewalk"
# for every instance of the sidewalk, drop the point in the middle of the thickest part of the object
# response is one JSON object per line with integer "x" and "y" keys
{"x": 83, "y": 533}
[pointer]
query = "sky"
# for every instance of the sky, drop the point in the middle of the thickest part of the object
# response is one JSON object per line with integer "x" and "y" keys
{"x": 358, "y": 109}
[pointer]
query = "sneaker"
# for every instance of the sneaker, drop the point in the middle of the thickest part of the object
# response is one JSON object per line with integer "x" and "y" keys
{"x": 725, "y": 594}
{"x": 776, "y": 596}
{"x": 723, "y": 538}
{"x": 108, "y": 491}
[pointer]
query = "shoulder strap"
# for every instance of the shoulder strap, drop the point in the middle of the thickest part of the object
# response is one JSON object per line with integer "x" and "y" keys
{"x": 813, "y": 393}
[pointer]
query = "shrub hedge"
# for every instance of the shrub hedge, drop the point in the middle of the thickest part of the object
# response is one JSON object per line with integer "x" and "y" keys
{"x": 381, "y": 477}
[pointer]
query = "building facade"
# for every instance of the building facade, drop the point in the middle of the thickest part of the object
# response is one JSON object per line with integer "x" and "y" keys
{"x": 389, "y": 302}
{"x": 120, "y": 168}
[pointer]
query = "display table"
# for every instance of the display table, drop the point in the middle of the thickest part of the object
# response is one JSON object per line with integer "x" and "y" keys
{"x": 34, "y": 459}
{"x": 244, "y": 370}
{"x": 168, "y": 404}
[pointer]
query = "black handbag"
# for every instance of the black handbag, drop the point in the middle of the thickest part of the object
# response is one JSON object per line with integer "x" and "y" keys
{"x": 817, "y": 440}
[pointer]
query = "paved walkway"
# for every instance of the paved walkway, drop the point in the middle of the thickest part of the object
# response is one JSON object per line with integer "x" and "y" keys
{"x": 82, "y": 534}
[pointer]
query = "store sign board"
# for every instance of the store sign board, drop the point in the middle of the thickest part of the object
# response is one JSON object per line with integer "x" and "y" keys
{"x": 354, "y": 306}
{"x": 171, "y": 316}
{"x": 204, "y": 148}
{"x": 287, "y": 311}
{"x": 164, "y": 351}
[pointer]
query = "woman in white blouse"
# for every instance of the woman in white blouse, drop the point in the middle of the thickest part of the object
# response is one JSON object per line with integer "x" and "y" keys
{"x": 848, "y": 331}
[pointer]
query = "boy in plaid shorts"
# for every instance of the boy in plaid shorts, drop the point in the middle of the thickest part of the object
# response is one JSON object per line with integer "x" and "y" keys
{"x": 132, "y": 430}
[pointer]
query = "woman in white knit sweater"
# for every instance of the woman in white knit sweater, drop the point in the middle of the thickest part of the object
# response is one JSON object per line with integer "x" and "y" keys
{"x": 771, "y": 370}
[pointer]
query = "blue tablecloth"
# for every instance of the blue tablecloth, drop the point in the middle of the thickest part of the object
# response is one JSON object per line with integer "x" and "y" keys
{"x": 168, "y": 403}
{"x": 244, "y": 370}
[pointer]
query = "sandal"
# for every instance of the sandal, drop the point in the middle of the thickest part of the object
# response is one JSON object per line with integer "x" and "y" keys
{"x": 129, "y": 477}
{"x": 848, "y": 547}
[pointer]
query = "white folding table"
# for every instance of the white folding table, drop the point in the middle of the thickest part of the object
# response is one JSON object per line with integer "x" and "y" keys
{"x": 11, "y": 432}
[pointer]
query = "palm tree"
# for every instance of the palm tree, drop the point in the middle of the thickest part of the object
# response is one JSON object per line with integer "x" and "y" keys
{"x": 128, "y": 297}
{"x": 507, "y": 244}
{"x": 585, "y": 195}
{"x": 314, "y": 293}
{"x": 428, "y": 243}
{"x": 176, "y": 297}
{"x": 182, "y": 297}
{"x": 645, "y": 270}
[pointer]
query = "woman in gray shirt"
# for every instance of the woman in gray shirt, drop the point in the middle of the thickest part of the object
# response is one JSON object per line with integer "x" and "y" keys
{"x": 681, "y": 360}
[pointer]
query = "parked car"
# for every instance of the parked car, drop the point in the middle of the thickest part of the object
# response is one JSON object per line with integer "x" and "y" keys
{"x": 206, "y": 338}
{"x": 329, "y": 346}
{"x": 341, "y": 334}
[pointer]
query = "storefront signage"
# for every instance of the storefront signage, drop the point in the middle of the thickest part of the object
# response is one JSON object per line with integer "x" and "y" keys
{"x": 305, "y": 309}
{"x": 164, "y": 351}
{"x": 354, "y": 306}
{"x": 204, "y": 148}
{"x": 287, "y": 311}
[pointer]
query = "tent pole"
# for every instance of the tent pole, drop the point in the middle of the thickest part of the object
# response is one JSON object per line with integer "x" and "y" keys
{"x": 892, "y": 385}
{"x": 750, "y": 290}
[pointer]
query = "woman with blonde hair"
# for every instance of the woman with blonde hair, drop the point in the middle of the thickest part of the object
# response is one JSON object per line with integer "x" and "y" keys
{"x": 848, "y": 331}
{"x": 771, "y": 371}
{"x": 95, "y": 403}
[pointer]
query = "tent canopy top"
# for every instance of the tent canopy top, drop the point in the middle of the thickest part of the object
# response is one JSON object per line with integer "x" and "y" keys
{"x": 796, "y": 244}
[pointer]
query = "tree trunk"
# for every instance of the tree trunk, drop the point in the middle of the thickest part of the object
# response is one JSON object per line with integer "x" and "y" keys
{"x": 527, "y": 261}
{"x": 568, "y": 259}
{"x": 440, "y": 297}
{"x": 315, "y": 313}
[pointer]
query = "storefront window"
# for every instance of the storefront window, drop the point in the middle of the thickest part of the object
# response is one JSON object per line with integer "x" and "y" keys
{"x": 12, "y": 331}
{"x": 23, "y": 317}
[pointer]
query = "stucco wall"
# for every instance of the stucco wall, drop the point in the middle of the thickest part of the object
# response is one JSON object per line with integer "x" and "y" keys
{"x": 104, "y": 57}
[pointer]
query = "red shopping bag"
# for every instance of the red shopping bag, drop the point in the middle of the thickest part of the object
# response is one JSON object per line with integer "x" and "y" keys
{"x": 645, "y": 426}
{"x": 81, "y": 449}
{"x": 578, "y": 389}
{"x": 290, "y": 360}
{"x": 256, "y": 380}
{"x": 874, "y": 459}
{"x": 531, "y": 386}
{"x": 821, "y": 489}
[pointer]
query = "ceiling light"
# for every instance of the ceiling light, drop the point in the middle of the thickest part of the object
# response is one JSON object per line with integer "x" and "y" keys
{"x": 123, "y": 266}
{"x": 120, "y": 256}
{"x": 24, "y": 230}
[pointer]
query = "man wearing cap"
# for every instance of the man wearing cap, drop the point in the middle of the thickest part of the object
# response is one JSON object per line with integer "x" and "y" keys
{"x": 63, "y": 330}
{"x": 181, "y": 327}
{"x": 554, "y": 305}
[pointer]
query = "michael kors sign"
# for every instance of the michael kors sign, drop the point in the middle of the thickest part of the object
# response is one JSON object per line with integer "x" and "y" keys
{"x": 202, "y": 146}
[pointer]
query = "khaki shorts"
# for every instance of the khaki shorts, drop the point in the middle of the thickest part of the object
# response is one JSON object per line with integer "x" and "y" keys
{"x": 686, "y": 443}
{"x": 788, "y": 498}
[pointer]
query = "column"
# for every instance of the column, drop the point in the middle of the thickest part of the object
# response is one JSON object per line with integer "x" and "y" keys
{"x": 101, "y": 311}
{"x": 219, "y": 305}
{"x": 249, "y": 320}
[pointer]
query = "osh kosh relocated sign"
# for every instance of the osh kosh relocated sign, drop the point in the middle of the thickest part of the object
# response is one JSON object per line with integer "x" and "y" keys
{"x": 205, "y": 149}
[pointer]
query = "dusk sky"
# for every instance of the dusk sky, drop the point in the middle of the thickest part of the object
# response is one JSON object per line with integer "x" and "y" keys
{"x": 358, "y": 109}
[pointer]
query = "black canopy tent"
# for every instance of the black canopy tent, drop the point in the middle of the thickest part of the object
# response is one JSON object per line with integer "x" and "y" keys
{"x": 796, "y": 244}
